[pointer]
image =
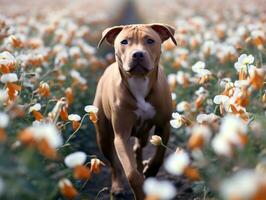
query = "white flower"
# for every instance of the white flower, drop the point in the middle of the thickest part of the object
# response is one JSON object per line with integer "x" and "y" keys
{"x": 177, "y": 121}
{"x": 241, "y": 83}
{"x": 177, "y": 162}
{"x": 202, "y": 92}
{"x": 75, "y": 159}
{"x": 242, "y": 185}
{"x": 182, "y": 77}
{"x": 203, "y": 72}
{"x": 230, "y": 133}
{"x": 183, "y": 106}
{"x": 76, "y": 75}
{"x": 173, "y": 96}
{"x": 221, "y": 146}
{"x": 220, "y": 99}
{"x": 163, "y": 190}
{"x": 207, "y": 118}
{"x": 198, "y": 66}
{"x": 203, "y": 131}
{"x": 243, "y": 61}
{"x": 225, "y": 81}
{"x": 232, "y": 123}
{"x": 74, "y": 117}
{"x": 257, "y": 34}
{"x": 35, "y": 107}
{"x": 48, "y": 132}
{"x": 74, "y": 51}
{"x": 91, "y": 109}
{"x": 7, "y": 58}
{"x": 232, "y": 126}
{"x": 4, "y": 120}
{"x": 208, "y": 47}
{"x": 3, "y": 95}
{"x": 2, "y": 186}
{"x": 9, "y": 78}
{"x": 171, "y": 79}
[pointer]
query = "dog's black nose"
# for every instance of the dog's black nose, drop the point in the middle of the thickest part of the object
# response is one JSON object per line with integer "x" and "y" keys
{"x": 137, "y": 55}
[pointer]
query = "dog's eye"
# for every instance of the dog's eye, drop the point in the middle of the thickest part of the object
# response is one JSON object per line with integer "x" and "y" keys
{"x": 150, "y": 41}
{"x": 124, "y": 42}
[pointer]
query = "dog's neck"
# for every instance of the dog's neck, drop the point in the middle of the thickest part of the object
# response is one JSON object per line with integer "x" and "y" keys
{"x": 139, "y": 86}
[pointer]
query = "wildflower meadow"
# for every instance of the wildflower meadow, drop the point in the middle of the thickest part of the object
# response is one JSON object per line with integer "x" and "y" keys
{"x": 49, "y": 70}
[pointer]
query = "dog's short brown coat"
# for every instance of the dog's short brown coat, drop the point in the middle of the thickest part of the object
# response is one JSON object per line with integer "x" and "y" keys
{"x": 133, "y": 96}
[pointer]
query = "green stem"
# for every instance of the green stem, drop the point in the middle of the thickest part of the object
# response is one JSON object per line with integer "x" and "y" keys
{"x": 72, "y": 135}
{"x": 102, "y": 190}
{"x": 168, "y": 148}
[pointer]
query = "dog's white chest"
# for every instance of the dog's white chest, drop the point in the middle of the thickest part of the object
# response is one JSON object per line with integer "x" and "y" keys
{"x": 139, "y": 88}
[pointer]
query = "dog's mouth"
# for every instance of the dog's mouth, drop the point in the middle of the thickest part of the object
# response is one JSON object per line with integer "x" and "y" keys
{"x": 138, "y": 69}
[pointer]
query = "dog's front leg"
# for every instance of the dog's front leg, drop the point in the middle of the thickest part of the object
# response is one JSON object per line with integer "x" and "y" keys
{"x": 122, "y": 129}
{"x": 154, "y": 163}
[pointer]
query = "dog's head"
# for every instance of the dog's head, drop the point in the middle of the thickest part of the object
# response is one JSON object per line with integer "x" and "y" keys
{"x": 138, "y": 47}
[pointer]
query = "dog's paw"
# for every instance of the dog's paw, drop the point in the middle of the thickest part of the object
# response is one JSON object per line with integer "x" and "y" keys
{"x": 118, "y": 193}
{"x": 117, "y": 189}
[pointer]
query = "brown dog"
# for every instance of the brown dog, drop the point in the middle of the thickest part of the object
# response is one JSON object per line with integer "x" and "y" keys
{"x": 132, "y": 97}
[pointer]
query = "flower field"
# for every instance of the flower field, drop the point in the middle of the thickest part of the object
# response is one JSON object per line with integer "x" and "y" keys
{"x": 49, "y": 68}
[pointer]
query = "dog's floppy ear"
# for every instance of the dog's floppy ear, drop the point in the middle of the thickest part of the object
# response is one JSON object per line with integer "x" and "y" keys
{"x": 165, "y": 31}
{"x": 110, "y": 34}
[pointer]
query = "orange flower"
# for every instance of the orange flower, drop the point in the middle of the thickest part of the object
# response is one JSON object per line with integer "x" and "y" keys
{"x": 82, "y": 172}
{"x": 261, "y": 192}
{"x": 37, "y": 115}
{"x": 12, "y": 91}
{"x": 7, "y": 62}
{"x": 242, "y": 75}
{"x": 192, "y": 173}
{"x": 15, "y": 42}
{"x": 69, "y": 95}
{"x": 44, "y": 89}
{"x": 64, "y": 113}
{"x": 257, "y": 78}
{"x": 171, "y": 79}
{"x": 243, "y": 98}
{"x": 67, "y": 189}
{"x": 229, "y": 89}
{"x": 168, "y": 45}
{"x": 199, "y": 101}
{"x": 243, "y": 138}
{"x": 92, "y": 110}
{"x": 26, "y": 137}
{"x": 258, "y": 38}
{"x": 195, "y": 141}
{"x": 96, "y": 165}
{"x": 35, "y": 111}
{"x": 45, "y": 149}
{"x": 2, "y": 135}
{"x": 239, "y": 111}
{"x": 44, "y": 137}
{"x": 200, "y": 134}
{"x": 152, "y": 197}
{"x": 75, "y": 121}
